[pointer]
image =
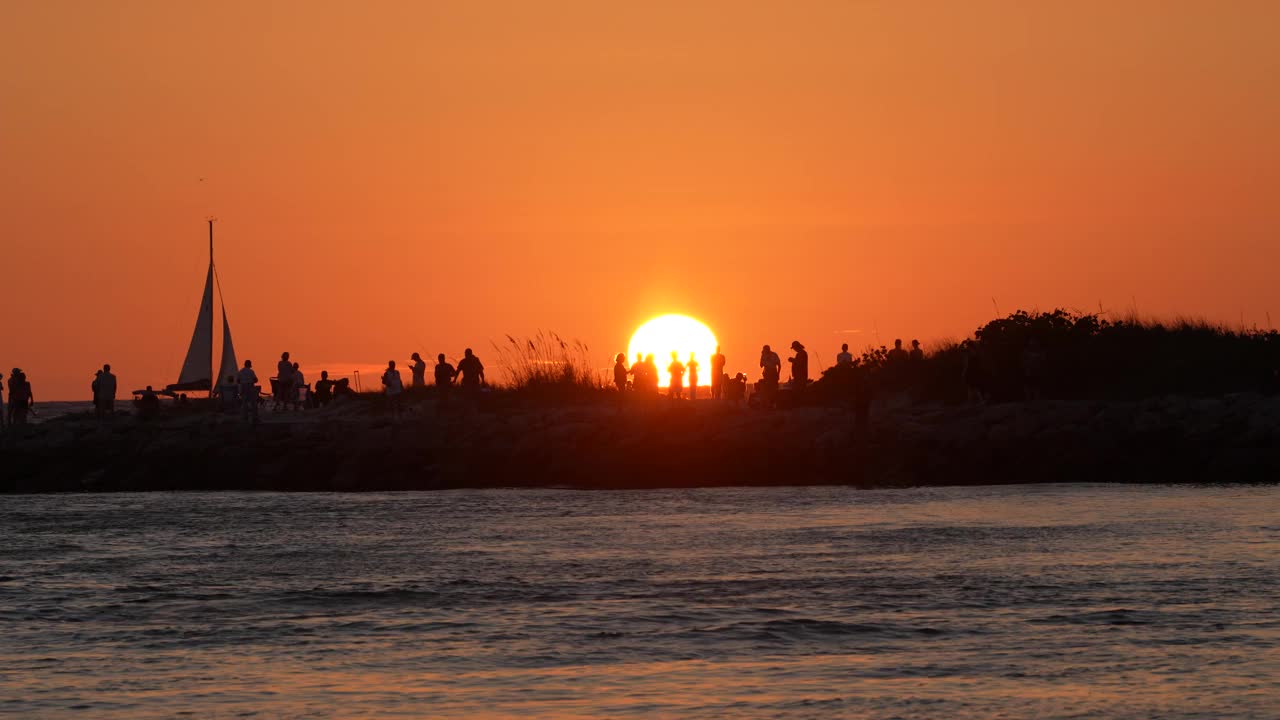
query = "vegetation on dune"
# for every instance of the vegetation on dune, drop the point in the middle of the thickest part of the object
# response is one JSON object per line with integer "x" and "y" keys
{"x": 547, "y": 366}
{"x": 1069, "y": 355}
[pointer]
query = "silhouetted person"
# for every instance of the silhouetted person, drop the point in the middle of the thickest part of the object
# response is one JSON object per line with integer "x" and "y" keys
{"x": 4, "y": 409}
{"x": 735, "y": 389}
{"x": 445, "y": 373}
{"x": 916, "y": 354}
{"x": 471, "y": 370}
{"x": 650, "y": 375}
{"x": 342, "y": 389}
{"x": 299, "y": 393}
{"x": 638, "y": 372}
{"x": 324, "y": 389}
{"x": 419, "y": 370}
{"x": 20, "y": 397}
{"x": 247, "y": 379}
{"x": 148, "y": 404}
{"x": 393, "y": 386}
{"x": 104, "y": 392}
{"x": 771, "y": 372}
{"x": 717, "y": 375}
{"x": 799, "y": 366}
{"x": 897, "y": 355}
{"x": 692, "y": 366}
{"x": 676, "y": 370}
{"x": 620, "y": 372}
{"x": 845, "y": 358}
{"x": 284, "y": 382}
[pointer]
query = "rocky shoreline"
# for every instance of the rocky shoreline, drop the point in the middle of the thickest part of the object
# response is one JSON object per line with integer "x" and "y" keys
{"x": 1233, "y": 438}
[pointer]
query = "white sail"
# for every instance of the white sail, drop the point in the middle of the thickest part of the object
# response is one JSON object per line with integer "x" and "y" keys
{"x": 197, "y": 369}
{"x": 228, "y": 365}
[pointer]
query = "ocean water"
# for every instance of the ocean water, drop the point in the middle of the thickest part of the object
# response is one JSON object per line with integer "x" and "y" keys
{"x": 1018, "y": 601}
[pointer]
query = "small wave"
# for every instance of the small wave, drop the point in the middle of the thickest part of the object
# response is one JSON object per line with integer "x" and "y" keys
{"x": 812, "y": 629}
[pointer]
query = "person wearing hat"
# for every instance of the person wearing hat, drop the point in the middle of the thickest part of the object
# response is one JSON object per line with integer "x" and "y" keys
{"x": 799, "y": 366}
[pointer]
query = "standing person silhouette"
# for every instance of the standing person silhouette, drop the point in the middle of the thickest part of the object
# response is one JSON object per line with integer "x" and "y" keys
{"x": 247, "y": 379}
{"x": 845, "y": 358}
{"x": 771, "y": 372}
{"x": 717, "y": 375}
{"x": 393, "y": 386}
{"x": 637, "y": 371}
{"x": 692, "y": 365}
{"x": 799, "y": 366}
{"x": 620, "y": 372}
{"x": 471, "y": 370}
{"x": 676, "y": 369}
{"x": 444, "y": 373}
{"x": 897, "y": 355}
{"x": 650, "y": 375}
{"x": 3, "y": 408}
{"x": 419, "y": 370}
{"x": 20, "y": 397}
{"x": 916, "y": 354}
{"x": 15, "y": 393}
{"x": 284, "y": 382}
{"x": 299, "y": 391}
{"x": 104, "y": 396}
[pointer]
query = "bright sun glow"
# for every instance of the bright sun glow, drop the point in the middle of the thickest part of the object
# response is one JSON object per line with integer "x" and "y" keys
{"x": 680, "y": 333}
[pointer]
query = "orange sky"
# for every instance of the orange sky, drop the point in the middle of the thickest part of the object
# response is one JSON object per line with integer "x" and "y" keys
{"x": 391, "y": 177}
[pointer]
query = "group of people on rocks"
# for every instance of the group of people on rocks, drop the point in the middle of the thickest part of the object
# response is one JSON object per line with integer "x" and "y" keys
{"x": 642, "y": 376}
{"x": 290, "y": 389}
{"x": 21, "y": 399}
{"x": 645, "y": 379}
{"x": 469, "y": 375}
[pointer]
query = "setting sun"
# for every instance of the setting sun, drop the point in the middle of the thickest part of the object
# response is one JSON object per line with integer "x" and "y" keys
{"x": 681, "y": 333}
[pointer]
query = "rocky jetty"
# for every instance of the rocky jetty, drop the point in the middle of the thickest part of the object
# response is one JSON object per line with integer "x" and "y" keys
{"x": 602, "y": 445}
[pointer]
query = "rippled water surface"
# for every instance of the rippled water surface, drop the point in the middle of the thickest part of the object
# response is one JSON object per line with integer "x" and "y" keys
{"x": 1026, "y": 601}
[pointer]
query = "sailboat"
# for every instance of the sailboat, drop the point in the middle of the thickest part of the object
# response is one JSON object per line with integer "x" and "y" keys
{"x": 197, "y": 369}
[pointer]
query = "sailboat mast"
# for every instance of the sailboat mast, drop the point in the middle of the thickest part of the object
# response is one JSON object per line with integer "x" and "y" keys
{"x": 213, "y": 381}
